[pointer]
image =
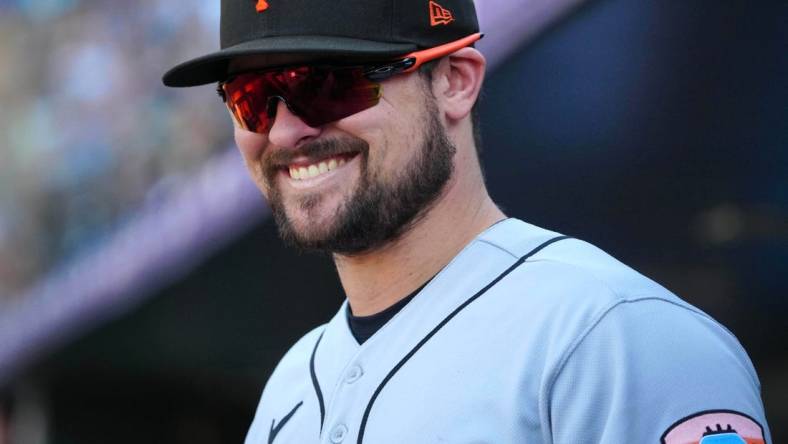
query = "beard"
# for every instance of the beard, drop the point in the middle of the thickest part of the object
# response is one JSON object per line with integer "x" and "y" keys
{"x": 376, "y": 213}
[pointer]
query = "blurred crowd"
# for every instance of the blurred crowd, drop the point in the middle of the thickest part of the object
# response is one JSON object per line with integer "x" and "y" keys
{"x": 87, "y": 131}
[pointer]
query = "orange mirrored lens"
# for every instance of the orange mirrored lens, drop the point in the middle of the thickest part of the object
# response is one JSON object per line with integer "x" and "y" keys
{"x": 318, "y": 95}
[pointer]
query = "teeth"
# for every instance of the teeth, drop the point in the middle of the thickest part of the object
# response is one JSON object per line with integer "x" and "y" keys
{"x": 308, "y": 172}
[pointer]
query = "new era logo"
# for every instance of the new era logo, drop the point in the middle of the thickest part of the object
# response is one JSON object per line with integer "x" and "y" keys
{"x": 439, "y": 15}
{"x": 262, "y": 5}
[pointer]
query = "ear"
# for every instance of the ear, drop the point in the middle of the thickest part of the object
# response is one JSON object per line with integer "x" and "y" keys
{"x": 457, "y": 81}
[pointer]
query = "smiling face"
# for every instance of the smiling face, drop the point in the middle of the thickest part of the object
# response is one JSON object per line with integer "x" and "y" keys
{"x": 353, "y": 185}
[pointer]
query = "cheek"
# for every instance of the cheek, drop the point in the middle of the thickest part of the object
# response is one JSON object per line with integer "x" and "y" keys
{"x": 250, "y": 144}
{"x": 393, "y": 128}
{"x": 379, "y": 126}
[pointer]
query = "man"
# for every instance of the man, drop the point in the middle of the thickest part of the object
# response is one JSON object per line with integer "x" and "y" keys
{"x": 461, "y": 325}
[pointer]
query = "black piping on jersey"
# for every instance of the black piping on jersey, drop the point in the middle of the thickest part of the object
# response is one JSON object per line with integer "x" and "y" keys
{"x": 432, "y": 333}
{"x": 275, "y": 428}
{"x": 315, "y": 384}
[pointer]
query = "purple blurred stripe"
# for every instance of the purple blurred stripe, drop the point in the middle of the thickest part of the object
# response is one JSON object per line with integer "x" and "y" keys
{"x": 508, "y": 24}
{"x": 165, "y": 240}
{"x": 168, "y": 238}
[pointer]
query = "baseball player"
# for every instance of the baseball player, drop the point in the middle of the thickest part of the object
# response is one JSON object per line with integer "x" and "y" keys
{"x": 461, "y": 325}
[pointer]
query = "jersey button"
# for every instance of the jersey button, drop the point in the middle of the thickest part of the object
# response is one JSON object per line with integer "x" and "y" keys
{"x": 354, "y": 374}
{"x": 338, "y": 434}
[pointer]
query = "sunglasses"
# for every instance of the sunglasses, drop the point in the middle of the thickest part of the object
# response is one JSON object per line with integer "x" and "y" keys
{"x": 318, "y": 94}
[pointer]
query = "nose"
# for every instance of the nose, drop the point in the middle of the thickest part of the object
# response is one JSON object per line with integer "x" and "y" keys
{"x": 288, "y": 130}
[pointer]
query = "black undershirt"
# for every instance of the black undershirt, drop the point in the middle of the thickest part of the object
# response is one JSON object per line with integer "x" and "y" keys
{"x": 363, "y": 327}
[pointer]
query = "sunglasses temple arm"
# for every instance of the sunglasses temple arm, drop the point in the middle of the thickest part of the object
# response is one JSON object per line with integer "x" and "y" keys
{"x": 424, "y": 56}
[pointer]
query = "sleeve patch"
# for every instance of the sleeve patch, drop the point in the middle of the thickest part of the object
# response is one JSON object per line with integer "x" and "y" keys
{"x": 715, "y": 427}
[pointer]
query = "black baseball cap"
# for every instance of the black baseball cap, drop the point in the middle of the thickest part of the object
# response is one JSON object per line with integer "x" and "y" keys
{"x": 283, "y": 32}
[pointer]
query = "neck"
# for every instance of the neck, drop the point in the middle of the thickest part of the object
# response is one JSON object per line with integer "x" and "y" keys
{"x": 375, "y": 280}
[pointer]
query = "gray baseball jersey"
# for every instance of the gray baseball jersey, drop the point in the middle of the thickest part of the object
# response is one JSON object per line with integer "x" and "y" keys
{"x": 526, "y": 336}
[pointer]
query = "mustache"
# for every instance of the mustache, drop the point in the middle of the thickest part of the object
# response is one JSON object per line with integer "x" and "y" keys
{"x": 318, "y": 149}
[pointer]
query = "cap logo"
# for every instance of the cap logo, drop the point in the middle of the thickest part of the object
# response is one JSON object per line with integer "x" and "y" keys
{"x": 439, "y": 15}
{"x": 262, "y": 5}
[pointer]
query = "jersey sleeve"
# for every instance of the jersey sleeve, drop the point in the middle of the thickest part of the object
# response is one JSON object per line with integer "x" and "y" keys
{"x": 654, "y": 371}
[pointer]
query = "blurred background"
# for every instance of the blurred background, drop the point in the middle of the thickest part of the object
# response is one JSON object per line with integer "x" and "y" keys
{"x": 145, "y": 297}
